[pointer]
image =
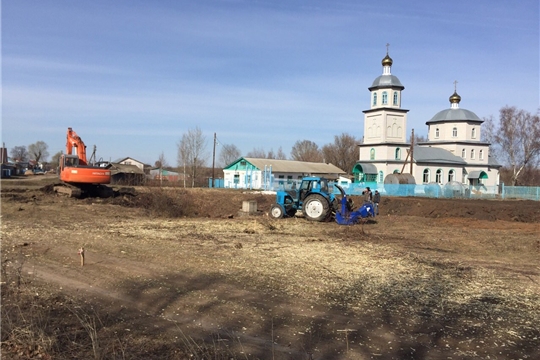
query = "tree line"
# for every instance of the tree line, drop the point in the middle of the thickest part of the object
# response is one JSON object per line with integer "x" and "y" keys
{"x": 514, "y": 139}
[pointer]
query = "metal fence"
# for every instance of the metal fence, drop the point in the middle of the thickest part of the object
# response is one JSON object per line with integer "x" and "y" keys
{"x": 432, "y": 190}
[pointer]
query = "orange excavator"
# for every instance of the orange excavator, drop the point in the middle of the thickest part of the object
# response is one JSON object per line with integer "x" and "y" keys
{"x": 80, "y": 179}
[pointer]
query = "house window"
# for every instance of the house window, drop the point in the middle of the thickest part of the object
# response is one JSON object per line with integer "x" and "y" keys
{"x": 463, "y": 154}
{"x": 374, "y": 99}
{"x": 438, "y": 176}
{"x": 372, "y": 154}
{"x": 454, "y": 132}
{"x": 437, "y": 132}
{"x": 289, "y": 179}
{"x": 481, "y": 154}
{"x": 384, "y": 98}
{"x": 236, "y": 178}
{"x": 426, "y": 176}
{"x": 395, "y": 98}
{"x": 398, "y": 154}
{"x": 451, "y": 175}
{"x": 242, "y": 163}
{"x": 472, "y": 153}
{"x": 473, "y": 133}
{"x": 381, "y": 177}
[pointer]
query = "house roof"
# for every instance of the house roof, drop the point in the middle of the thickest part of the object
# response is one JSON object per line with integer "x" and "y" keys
{"x": 434, "y": 154}
{"x": 126, "y": 169}
{"x": 290, "y": 166}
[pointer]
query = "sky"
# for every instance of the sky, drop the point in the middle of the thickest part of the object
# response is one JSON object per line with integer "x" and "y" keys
{"x": 132, "y": 76}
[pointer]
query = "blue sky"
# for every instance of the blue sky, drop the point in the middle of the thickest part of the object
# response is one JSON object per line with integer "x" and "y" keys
{"x": 132, "y": 76}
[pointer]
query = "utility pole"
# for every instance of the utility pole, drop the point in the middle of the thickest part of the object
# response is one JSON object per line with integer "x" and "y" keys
{"x": 214, "y": 161}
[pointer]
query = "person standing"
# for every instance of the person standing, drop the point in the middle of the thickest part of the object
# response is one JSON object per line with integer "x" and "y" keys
{"x": 376, "y": 201}
{"x": 367, "y": 195}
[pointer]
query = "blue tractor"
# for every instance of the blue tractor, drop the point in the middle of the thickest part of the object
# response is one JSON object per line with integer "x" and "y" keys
{"x": 313, "y": 198}
{"x": 318, "y": 203}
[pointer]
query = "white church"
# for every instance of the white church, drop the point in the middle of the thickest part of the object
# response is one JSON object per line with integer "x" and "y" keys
{"x": 454, "y": 151}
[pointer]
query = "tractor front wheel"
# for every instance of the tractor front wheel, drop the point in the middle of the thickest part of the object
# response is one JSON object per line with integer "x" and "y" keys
{"x": 316, "y": 208}
{"x": 276, "y": 211}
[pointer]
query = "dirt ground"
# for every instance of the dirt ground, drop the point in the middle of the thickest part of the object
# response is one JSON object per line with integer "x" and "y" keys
{"x": 180, "y": 274}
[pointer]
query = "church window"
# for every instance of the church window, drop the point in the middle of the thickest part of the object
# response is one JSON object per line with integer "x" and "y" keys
{"x": 398, "y": 154}
{"x": 451, "y": 175}
{"x": 472, "y": 153}
{"x": 454, "y": 132}
{"x": 481, "y": 154}
{"x": 426, "y": 176}
{"x": 384, "y": 98}
{"x": 438, "y": 176}
{"x": 473, "y": 133}
{"x": 372, "y": 154}
{"x": 395, "y": 98}
{"x": 374, "y": 99}
{"x": 437, "y": 132}
{"x": 381, "y": 177}
{"x": 463, "y": 154}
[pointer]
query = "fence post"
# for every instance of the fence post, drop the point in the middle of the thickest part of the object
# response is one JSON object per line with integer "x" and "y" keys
{"x": 502, "y": 191}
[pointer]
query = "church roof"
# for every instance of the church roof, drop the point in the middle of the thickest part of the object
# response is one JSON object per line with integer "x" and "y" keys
{"x": 432, "y": 154}
{"x": 386, "y": 81}
{"x": 454, "y": 115}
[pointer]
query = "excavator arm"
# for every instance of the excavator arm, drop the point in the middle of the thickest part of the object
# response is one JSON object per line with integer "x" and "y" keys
{"x": 75, "y": 141}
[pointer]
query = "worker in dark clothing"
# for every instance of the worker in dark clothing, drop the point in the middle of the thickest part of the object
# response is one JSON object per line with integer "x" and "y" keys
{"x": 376, "y": 201}
{"x": 367, "y": 195}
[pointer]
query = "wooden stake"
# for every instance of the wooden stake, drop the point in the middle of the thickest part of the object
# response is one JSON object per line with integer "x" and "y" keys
{"x": 81, "y": 253}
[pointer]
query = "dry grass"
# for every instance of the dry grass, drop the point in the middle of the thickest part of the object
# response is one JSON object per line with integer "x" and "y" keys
{"x": 169, "y": 286}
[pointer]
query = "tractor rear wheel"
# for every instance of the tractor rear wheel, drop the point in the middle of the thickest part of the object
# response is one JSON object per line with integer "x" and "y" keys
{"x": 276, "y": 211}
{"x": 316, "y": 208}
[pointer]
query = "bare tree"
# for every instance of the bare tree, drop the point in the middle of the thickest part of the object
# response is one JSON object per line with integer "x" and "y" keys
{"x": 258, "y": 153}
{"x": 161, "y": 162}
{"x": 418, "y": 139}
{"x": 515, "y": 140}
{"x": 228, "y": 154}
{"x": 192, "y": 152}
{"x": 19, "y": 153}
{"x": 306, "y": 150}
{"x": 38, "y": 151}
{"x": 55, "y": 160}
{"x": 343, "y": 152}
{"x": 280, "y": 155}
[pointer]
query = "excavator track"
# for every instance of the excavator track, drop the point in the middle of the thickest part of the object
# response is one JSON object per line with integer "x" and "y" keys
{"x": 78, "y": 192}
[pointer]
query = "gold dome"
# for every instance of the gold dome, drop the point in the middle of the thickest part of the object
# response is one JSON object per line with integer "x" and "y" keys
{"x": 455, "y": 98}
{"x": 387, "y": 61}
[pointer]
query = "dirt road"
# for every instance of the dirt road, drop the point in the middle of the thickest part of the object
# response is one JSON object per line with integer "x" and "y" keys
{"x": 430, "y": 279}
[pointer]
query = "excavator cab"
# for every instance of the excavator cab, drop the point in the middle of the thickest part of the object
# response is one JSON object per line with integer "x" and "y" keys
{"x": 70, "y": 161}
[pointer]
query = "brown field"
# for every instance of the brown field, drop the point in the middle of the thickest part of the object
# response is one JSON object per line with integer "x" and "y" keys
{"x": 179, "y": 274}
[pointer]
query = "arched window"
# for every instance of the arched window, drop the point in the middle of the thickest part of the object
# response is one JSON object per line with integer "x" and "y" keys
{"x": 451, "y": 175}
{"x": 398, "y": 154}
{"x": 384, "y": 98}
{"x": 481, "y": 154}
{"x": 472, "y": 153}
{"x": 374, "y": 99}
{"x": 473, "y": 133}
{"x": 437, "y": 132}
{"x": 454, "y": 132}
{"x": 381, "y": 177}
{"x": 426, "y": 176}
{"x": 463, "y": 154}
{"x": 438, "y": 176}
{"x": 395, "y": 98}
{"x": 372, "y": 154}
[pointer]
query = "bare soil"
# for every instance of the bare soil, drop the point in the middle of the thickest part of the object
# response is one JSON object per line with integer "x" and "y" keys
{"x": 181, "y": 273}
